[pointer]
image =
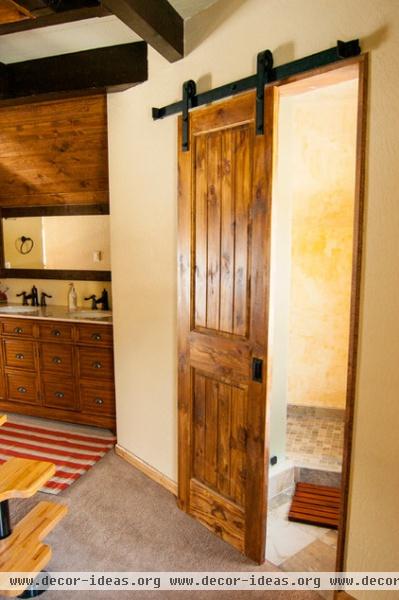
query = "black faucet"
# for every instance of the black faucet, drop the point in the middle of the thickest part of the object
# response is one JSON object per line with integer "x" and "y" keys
{"x": 103, "y": 300}
{"x": 43, "y": 297}
{"x": 35, "y": 296}
{"x": 25, "y": 298}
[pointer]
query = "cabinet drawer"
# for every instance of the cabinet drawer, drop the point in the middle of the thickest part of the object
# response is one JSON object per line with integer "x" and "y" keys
{"x": 2, "y": 386}
{"x": 98, "y": 400}
{"x": 19, "y": 354}
{"x": 56, "y": 358}
{"x": 18, "y": 327}
{"x": 100, "y": 335}
{"x": 59, "y": 332}
{"x": 22, "y": 388}
{"x": 59, "y": 393}
{"x": 96, "y": 363}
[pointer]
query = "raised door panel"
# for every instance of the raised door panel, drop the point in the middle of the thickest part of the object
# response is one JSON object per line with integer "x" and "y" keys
{"x": 219, "y": 436}
{"x": 59, "y": 393}
{"x": 96, "y": 399}
{"x": 222, "y": 195}
{"x": 56, "y": 358}
{"x": 96, "y": 335}
{"x": 22, "y": 387}
{"x": 56, "y": 332}
{"x": 96, "y": 363}
{"x": 18, "y": 327}
{"x": 19, "y": 354}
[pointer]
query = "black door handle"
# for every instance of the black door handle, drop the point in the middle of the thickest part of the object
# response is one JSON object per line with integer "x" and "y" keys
{"x": 257, "y": 370}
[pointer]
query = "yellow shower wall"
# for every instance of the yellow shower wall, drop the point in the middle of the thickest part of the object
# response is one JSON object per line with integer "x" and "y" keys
{"x": 323, "y": 168}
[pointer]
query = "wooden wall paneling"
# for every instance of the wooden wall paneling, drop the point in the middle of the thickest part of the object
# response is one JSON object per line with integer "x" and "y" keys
{"x": 54, "y": 153}
{"x": 10, "y": 12}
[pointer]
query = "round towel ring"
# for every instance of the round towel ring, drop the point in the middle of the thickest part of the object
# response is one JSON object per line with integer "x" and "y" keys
{"x": 24, "y": 244}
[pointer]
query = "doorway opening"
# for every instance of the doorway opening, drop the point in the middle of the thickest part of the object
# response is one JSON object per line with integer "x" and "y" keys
{"x": 315, "y": 254}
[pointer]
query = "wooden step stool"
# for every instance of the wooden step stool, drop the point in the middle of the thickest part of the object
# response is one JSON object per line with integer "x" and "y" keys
{"x": 21, "y": 548}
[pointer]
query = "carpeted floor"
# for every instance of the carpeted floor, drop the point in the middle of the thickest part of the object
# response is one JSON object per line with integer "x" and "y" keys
{"x": 119, "y": 520}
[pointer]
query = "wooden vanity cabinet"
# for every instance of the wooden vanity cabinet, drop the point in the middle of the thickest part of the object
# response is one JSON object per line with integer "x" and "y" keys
{"x": 58, "y": 370}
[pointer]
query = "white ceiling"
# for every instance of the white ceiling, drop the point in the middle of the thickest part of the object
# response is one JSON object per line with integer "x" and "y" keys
{"x": 81, "y": 35}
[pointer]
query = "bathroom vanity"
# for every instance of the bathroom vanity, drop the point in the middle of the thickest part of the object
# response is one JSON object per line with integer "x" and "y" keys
{"x": 58, "y": 365}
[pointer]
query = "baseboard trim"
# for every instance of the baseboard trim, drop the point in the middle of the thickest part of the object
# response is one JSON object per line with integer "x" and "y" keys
{"x": 147, "y": 469}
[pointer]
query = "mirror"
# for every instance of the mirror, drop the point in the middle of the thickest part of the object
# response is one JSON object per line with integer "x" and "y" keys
{"x": 61, "y": 242}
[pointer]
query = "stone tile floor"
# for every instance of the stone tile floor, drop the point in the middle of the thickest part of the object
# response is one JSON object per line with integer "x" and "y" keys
{"x": 315, "y": 441}
{"x": 290, "y": 546}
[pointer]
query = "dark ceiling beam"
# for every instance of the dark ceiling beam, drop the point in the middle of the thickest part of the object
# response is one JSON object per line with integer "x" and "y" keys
{"x": 114, "y": 68}
{"x": 45, "y": 16}
{"x": 156, "y": 21}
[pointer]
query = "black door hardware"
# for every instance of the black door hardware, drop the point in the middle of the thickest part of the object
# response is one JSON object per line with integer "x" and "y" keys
{"x": 257, "y": 370}
{"x": 266, "y": 73}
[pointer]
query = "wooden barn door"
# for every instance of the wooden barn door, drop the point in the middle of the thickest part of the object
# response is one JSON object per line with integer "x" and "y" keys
{"x": 224, "y": 243}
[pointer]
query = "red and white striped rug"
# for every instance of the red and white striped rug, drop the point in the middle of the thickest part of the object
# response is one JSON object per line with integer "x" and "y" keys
{"x": 72, "y": 453}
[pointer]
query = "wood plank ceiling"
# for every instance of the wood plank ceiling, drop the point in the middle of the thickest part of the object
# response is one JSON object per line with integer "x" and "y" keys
{"x": 11, "y": 12}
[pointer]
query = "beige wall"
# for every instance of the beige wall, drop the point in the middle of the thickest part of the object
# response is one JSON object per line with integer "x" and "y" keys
{"x": 322, "y": 170}
{"x": 143, "y": 171}
{"x": 70, "y": 242}
{"x": 13, "y": 229}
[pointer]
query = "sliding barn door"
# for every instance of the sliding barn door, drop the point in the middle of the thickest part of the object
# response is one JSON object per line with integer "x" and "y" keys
{"x": 224, "y": 240}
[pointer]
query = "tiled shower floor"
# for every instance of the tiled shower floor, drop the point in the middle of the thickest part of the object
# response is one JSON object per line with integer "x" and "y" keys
{"x": 315, "y": 441}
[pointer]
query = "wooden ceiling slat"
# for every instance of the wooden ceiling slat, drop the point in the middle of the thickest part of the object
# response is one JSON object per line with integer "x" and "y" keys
{"x": 11, "y": 12}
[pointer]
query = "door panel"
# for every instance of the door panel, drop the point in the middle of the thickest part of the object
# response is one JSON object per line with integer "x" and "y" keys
{"x": 224, "y": 240}
{"x": 221, "y": 215}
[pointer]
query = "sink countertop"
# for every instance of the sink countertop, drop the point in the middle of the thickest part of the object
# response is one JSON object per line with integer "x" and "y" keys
{"x": 56, "y": 313}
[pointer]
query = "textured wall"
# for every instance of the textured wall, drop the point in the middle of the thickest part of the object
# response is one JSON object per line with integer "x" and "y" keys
{"x": 323, "y": 138}
{"x": 143, "y": 179}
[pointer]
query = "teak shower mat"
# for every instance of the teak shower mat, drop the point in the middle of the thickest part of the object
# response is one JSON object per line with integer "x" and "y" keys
{"x": 316, "y": 505}
{"x": 72, "y": 453}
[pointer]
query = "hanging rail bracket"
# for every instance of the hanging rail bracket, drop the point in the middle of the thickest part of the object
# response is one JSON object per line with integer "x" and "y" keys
{"x": 264, "y": 66}
{"x": 189, "y": 92}
{"x": 266, "y": 73}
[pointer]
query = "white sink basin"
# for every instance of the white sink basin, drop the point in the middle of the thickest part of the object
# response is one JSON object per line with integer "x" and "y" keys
{"x": 90, "y": 314}
{"x": 18, "y": 309}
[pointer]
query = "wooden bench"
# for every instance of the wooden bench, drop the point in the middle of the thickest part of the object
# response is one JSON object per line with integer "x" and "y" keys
{"x": 22, "y": 548}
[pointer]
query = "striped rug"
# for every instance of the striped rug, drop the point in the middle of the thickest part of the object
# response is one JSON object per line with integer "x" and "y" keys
{"x": 72, "y": 453}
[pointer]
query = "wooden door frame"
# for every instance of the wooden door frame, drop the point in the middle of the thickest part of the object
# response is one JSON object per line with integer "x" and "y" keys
{"x": 184, "y": 301}
{"x": 357, "y": 244}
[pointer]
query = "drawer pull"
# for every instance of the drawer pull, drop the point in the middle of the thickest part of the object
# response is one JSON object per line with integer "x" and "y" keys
{"x": 19, "y": 356}
{"x": 56, "y": 332}
{"x": 99, "y": 401}
{"x": 96, "y": 337}
{"x": 56, "y": 360}
{"x": 21, "y": 389}
{"x": 59, "y": 394}
{"x": 97, "y": 365}
{"x": 18, "y": 330}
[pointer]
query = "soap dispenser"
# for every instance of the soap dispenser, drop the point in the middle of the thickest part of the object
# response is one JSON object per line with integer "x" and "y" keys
{"x": 72, "y": 298}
